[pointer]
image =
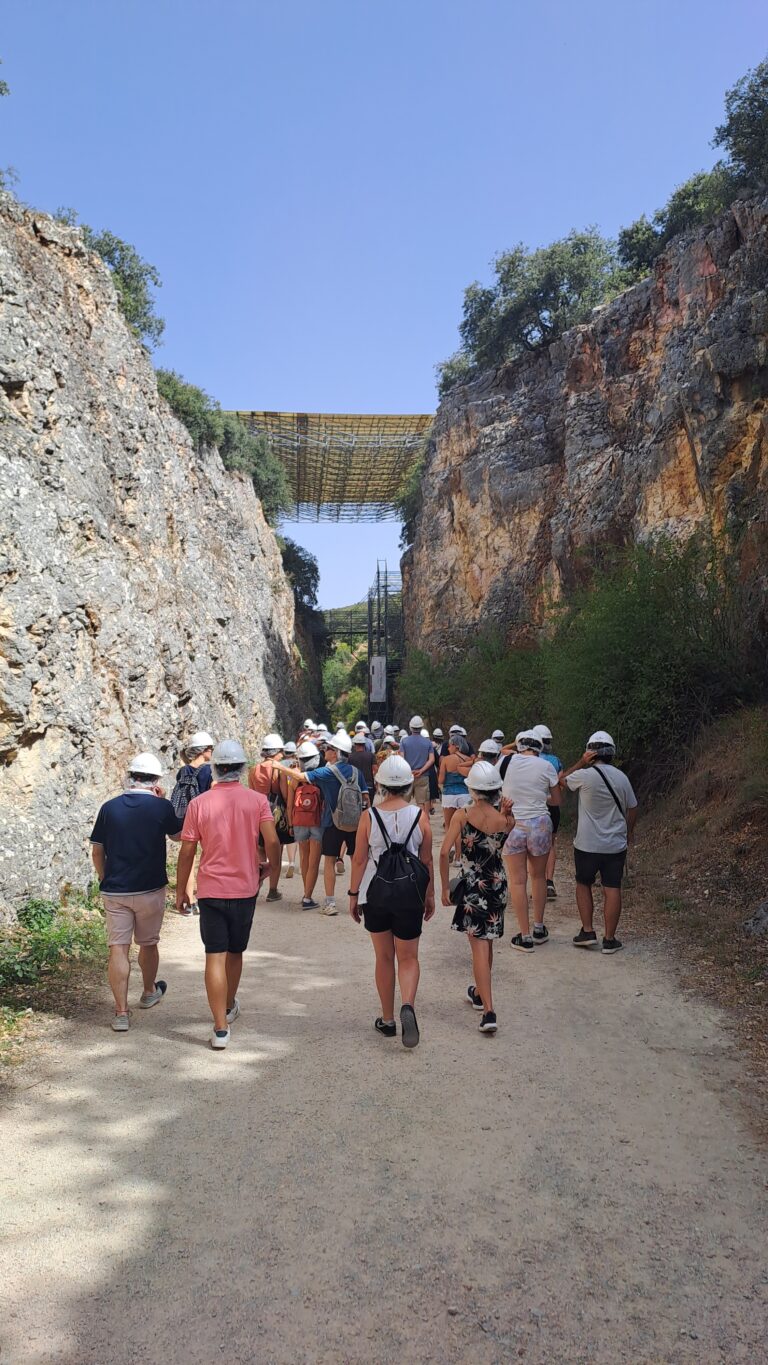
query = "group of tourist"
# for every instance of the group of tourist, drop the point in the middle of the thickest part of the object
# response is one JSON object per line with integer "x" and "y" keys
{"x": 367, "y": 795}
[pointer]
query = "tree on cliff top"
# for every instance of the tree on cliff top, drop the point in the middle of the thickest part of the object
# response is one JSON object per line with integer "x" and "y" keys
{"x": 134, "y": 278}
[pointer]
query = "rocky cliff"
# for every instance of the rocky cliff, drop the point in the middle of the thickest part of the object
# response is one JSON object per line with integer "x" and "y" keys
{"x": 653, "y": 418}
{"x": 142, "y": 590}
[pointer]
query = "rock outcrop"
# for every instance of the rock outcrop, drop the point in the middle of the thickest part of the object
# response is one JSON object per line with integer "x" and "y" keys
{"x": 653, "y": 418}
{"x": 143, "y": 593}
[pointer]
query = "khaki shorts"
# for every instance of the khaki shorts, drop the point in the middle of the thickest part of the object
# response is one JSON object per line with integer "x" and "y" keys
{"x": 421, "y": 790}
{"x": 135, "y": 917}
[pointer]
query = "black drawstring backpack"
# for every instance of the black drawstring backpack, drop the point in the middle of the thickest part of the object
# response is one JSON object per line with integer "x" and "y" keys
{"x": 401, "y": 879}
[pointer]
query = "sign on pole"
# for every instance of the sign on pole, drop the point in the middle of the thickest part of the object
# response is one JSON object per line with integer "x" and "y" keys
{"x": 377, "y": 680}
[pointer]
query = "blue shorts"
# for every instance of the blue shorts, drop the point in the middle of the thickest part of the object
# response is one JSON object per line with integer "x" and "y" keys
{"x": 303, "y": 833}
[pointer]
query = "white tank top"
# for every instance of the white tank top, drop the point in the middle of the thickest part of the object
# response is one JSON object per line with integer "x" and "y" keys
{"x": 397, "y": 824}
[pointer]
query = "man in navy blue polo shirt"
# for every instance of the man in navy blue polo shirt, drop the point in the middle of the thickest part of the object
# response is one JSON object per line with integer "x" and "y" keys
{"x": 128, "y": 849}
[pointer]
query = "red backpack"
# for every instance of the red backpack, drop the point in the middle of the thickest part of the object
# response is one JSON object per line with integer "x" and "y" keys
{"x": 307, "y": 805}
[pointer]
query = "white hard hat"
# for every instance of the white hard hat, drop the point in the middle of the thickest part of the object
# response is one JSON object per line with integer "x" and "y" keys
{"x": 146, "y": 764}
{"x": 455, "y": 730}
{"x": 325, "y": 736}
{"x": 228, "y": 751}
{"x": 271, "y": 744}
{"x": 416, "y": 722}
{"x": 462, "y": 731}
{"x": 600, "y": 738}
{"x": 342, "y": 742}
{"x": 527, "y": 739}
{"x": 394, "y": 772}
{"x": 309, "y": 725}
{"x": 289, "y": 748}
{"x": 489, "y": 746}
{"x": 389, "y": 729}
{"x": 307, "y": 750}
{"x": 498, "y": 734}
{"x": 543, "y": 731}
{"x": 425, "y": 733}
{"x": 376, "y": 726}
{"x": 437, "y": 732}
{"x": 361, "y": 725}
{"x": 201, "y": 740}
{"x": 358, "y": 737}
{"x": 483, "y": 777}
{"x": 403, "y": 734}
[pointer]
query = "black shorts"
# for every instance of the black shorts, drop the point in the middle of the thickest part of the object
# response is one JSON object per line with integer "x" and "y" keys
{"x": 554, "y": 815}
{"x": 403, "y": 924}
{"x": 333, "y": 839}
{"x": 609, "y": 865}
{"x": 225, "y": 925}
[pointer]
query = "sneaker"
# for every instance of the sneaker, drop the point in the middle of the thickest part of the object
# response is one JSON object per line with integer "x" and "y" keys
{"x": 540, "y": 935}
{"x": 274, "y": 895}
{"x": 409, "y": 1026}
{"x": 233, "y": 1013}
{"x": 551, "y": 892}
{"x": 389, "y": 1030}
{"x": 150, "y": 998}
{"x": 488, "y": 1023}
{"x": 339, "y": 867}
{"x": 586, "y": 938}
{"x": 195, "y": 908}
{"x": 523, "y": 945}
{"x": 289, "y": 871}
{"x": 186, "y": 911}
{"x": 612, "y": 945}
{"x": 307, "y": 903}
{"x": 219, "y": 1038}
{"x": 328, "y": 908}
{"x": 474, "y": 998}
{"x": 120, "y": 1023}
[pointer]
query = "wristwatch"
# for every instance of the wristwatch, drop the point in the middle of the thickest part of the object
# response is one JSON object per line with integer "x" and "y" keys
{"x": 353, "y": 893}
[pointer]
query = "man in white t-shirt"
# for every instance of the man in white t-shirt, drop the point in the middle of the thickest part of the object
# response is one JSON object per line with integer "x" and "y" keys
{"x": 607, "y": 816}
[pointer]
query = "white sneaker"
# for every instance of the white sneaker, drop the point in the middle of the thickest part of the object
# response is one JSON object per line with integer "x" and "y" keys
{"x": 219, "y": 1038}
{"x": 328, "y": 908}
{"x": 233, "y": 1013}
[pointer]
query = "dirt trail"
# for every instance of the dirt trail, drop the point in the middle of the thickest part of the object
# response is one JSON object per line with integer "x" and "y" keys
{"x": 581, "y": 1188}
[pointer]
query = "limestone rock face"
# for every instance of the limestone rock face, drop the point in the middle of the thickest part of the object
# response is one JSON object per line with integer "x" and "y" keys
{"x": 653, "y": 418}
{"x": 143, "y": 594}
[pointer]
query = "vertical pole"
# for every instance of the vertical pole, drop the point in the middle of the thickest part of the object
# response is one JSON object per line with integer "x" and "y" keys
{"x": 370, "y": 646}
{"x": 386, "y": 634}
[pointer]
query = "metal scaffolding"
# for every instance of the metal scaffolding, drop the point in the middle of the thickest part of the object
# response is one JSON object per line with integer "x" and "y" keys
{"x": 343, "y": 466}
{"x": 379, "y": 621}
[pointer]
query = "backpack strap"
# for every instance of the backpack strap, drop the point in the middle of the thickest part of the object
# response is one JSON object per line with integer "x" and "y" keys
{"x": 619, "y": 806}
{"x": 412, "y": 830}
{"x": 383, "y": 828}
{"x": 341, "y": 779}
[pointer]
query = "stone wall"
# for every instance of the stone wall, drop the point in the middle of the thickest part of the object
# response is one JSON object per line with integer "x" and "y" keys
{"x": 650, "y": 419}
{"x": 142, "y": 590}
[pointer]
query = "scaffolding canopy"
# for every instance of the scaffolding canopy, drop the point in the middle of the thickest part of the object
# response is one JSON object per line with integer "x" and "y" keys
{"x": 343, "y": 466}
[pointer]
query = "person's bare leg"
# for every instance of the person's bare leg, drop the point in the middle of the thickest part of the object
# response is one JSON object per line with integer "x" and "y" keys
{"x": 384, "y": 948}
{"x": 216, "y": 987}
{"x": 313, "y": 867}
{"x": 538, "y": 867}
{"x": 408, "y": 971}
{"x": 234, "y": 970}
{"x": 481, "y": 967}
{"x": 611, "y": 910}
{"x": 517, "y": 880}
{"x": 304, "y": 863}
{"x": 149, "y": 961}
{"x": 586, "y": 906}
{"x": 118, "y": 972}
{"x": 329, "y": 876}
{"x": 552, "y": 861}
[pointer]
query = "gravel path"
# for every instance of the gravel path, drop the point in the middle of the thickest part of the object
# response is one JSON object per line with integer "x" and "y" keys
{"x": 584, "y": 1187}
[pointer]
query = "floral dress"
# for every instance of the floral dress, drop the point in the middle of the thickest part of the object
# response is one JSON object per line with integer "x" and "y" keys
{"x": 482, "y": 910}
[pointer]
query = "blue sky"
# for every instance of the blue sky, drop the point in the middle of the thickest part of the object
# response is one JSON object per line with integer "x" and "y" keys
{"x": 318, "y": 183}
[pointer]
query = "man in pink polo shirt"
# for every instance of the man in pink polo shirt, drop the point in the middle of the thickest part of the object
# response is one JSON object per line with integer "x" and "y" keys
{"x": 227, "y": 821}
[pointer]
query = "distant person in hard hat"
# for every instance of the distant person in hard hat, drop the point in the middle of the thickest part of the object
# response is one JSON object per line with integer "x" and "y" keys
{"x": 362, "y": 729}
{"x": 344, "y": 798}
{"x": 363, "y": 759}
{"x": 305, "y": 814}
{"x": 290, "y": 760}
{"x": 394, "y": 899}
{"x": 531, "y": 786}
{"x": 606, "y": 826}
{"x": 193, "y": 778}
{"x": 454, "y": 769}
{"x": 264, "y": 777}
{"x": 419, "y": 754}
{"x": 547, "y": 752}
{"x": 480, "y": 894}
{"x": 228, "y": 822}
{"x": 128, "y": 848}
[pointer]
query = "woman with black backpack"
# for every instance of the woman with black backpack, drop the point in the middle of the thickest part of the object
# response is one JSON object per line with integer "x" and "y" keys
{"x": 392, "y": 891}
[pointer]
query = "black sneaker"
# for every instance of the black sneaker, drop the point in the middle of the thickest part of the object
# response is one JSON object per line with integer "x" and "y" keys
{"x": 540, "y": 935}
{"x": 389, "y": 1030}
{"x": 551, "y": 892}
{"x": 612, "y": 945}
{"x": 474, "y": 998}
{"x": 488, "y": 1023}
{"x": 523, "y": 945}
{"x": 409, "y": 1026}
{"x": 307, "y": 903}
{"x": 586, "y": 938}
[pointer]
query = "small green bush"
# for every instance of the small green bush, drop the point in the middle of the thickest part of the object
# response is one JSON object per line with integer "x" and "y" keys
{"x": 47, "y": 937}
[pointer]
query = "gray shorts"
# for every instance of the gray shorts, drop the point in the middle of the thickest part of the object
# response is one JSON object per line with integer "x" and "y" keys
{"x": 302, "y": 833}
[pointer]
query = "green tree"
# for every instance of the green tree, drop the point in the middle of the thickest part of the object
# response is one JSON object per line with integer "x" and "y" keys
{"x": 302, "y": 571}
{"x": 408, "y": 501}
{"x": 457, "y": 369}
{"x": 199, "y": 412}
{"x": 134, "y": 278}
{"x": 744, "y": 134}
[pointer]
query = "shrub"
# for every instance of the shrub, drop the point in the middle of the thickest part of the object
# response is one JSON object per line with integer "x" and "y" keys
{"x": 409, "y": 499}
{"x": 47, "y": 937}
{"x": 134, "y": 279}
{"x": 302, "y": 571}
